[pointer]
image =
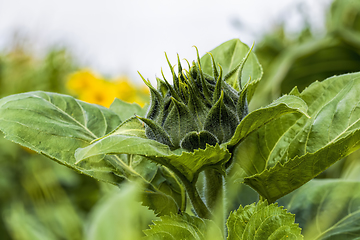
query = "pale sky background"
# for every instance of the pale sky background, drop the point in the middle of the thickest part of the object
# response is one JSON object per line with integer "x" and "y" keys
{"x": 123, "y": 37}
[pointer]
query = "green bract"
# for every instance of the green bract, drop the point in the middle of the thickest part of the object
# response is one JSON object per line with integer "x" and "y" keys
{"x": 198, "y": 109}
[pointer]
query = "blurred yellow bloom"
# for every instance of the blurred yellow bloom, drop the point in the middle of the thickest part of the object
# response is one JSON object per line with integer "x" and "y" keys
{"x": 81, "y": 81}
{"x": 93, "y": 89}
{"x": 102, "y": 93}
{"x": 125, "y": 89}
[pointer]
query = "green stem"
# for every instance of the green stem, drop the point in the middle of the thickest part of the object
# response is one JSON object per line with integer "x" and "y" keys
{"x": 213, "y": 190}
{"x": 214, "y": 196}
{"x": 199, "y": 206}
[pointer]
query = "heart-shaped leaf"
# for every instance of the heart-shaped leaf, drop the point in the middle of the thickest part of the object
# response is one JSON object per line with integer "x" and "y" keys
{"x": 262, "y": 221}
{"x": 291, "y": 150}
{"x": 127, "y": 110}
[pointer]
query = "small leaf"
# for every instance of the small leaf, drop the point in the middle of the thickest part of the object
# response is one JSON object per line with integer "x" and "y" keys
{"x": 127, "y": 110}
{"x": 229, "y": 55}
{"x": 161, "y": 203}
{"x": 262, "y": 221}
{"x": 183, "y": 227}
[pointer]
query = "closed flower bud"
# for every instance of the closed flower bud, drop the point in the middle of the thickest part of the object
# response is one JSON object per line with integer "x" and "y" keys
{"x": 196, "y": 110}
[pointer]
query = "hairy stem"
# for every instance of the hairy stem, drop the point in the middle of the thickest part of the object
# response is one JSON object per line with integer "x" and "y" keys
{"x": 214, "y": 196}
{"x": 199, "y": 206}
{"x": 213, "y": 191}
{"x": 196, "y": 201}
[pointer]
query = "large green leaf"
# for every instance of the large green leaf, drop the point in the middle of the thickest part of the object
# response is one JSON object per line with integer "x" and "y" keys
{"x": 230, "y": 55}
{"x": 262, "y": 221}
{"x": 129, "y": 138}
{"x": 291, "y": 150}
{"x": 326, "y": 209}
{"x": 183, "y": 227}
{"x": 56, "y": 125}
{"x": 258, "y": 118}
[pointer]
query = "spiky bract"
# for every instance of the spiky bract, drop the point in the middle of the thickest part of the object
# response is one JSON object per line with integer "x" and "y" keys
{"x": 198, "y": 109}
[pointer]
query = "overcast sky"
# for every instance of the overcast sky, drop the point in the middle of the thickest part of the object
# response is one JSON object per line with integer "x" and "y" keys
{"x": 122, "y": 37}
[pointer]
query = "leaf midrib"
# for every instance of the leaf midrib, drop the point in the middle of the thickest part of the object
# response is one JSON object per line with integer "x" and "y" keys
{"x": 76, "y": 121}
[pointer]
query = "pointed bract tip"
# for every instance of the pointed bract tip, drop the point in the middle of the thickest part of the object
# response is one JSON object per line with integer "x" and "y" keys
{"x": 144, "y": 80}
{"x": 210, "y": 54}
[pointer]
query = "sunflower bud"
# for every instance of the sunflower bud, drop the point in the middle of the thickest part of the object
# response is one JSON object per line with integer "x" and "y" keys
{"x": 196, "y": 110}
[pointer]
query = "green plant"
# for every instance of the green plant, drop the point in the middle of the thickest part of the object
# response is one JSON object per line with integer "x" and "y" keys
{"x": 31, "y": 208}
{"x": 197, "y": 143}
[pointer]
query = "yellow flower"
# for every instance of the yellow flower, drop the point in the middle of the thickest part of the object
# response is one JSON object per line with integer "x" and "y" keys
{"x": 92, "y": 89}
{"x": 125, "y": 89}
{"x": 102, "y": 93}
{"x": 128, "y": 92}
{"x": 81, "y": 81}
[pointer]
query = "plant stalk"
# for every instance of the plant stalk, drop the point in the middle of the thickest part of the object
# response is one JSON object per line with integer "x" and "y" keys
{"x": 214, "y": 196}
{"x": 199, "y": 206}
{"x": 213, "y": 189}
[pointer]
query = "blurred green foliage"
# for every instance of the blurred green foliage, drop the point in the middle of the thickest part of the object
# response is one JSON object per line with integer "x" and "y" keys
{"x": 39, "y": 199}
{"x": 290, "y": 60}
{"x": 21, "y": 71}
